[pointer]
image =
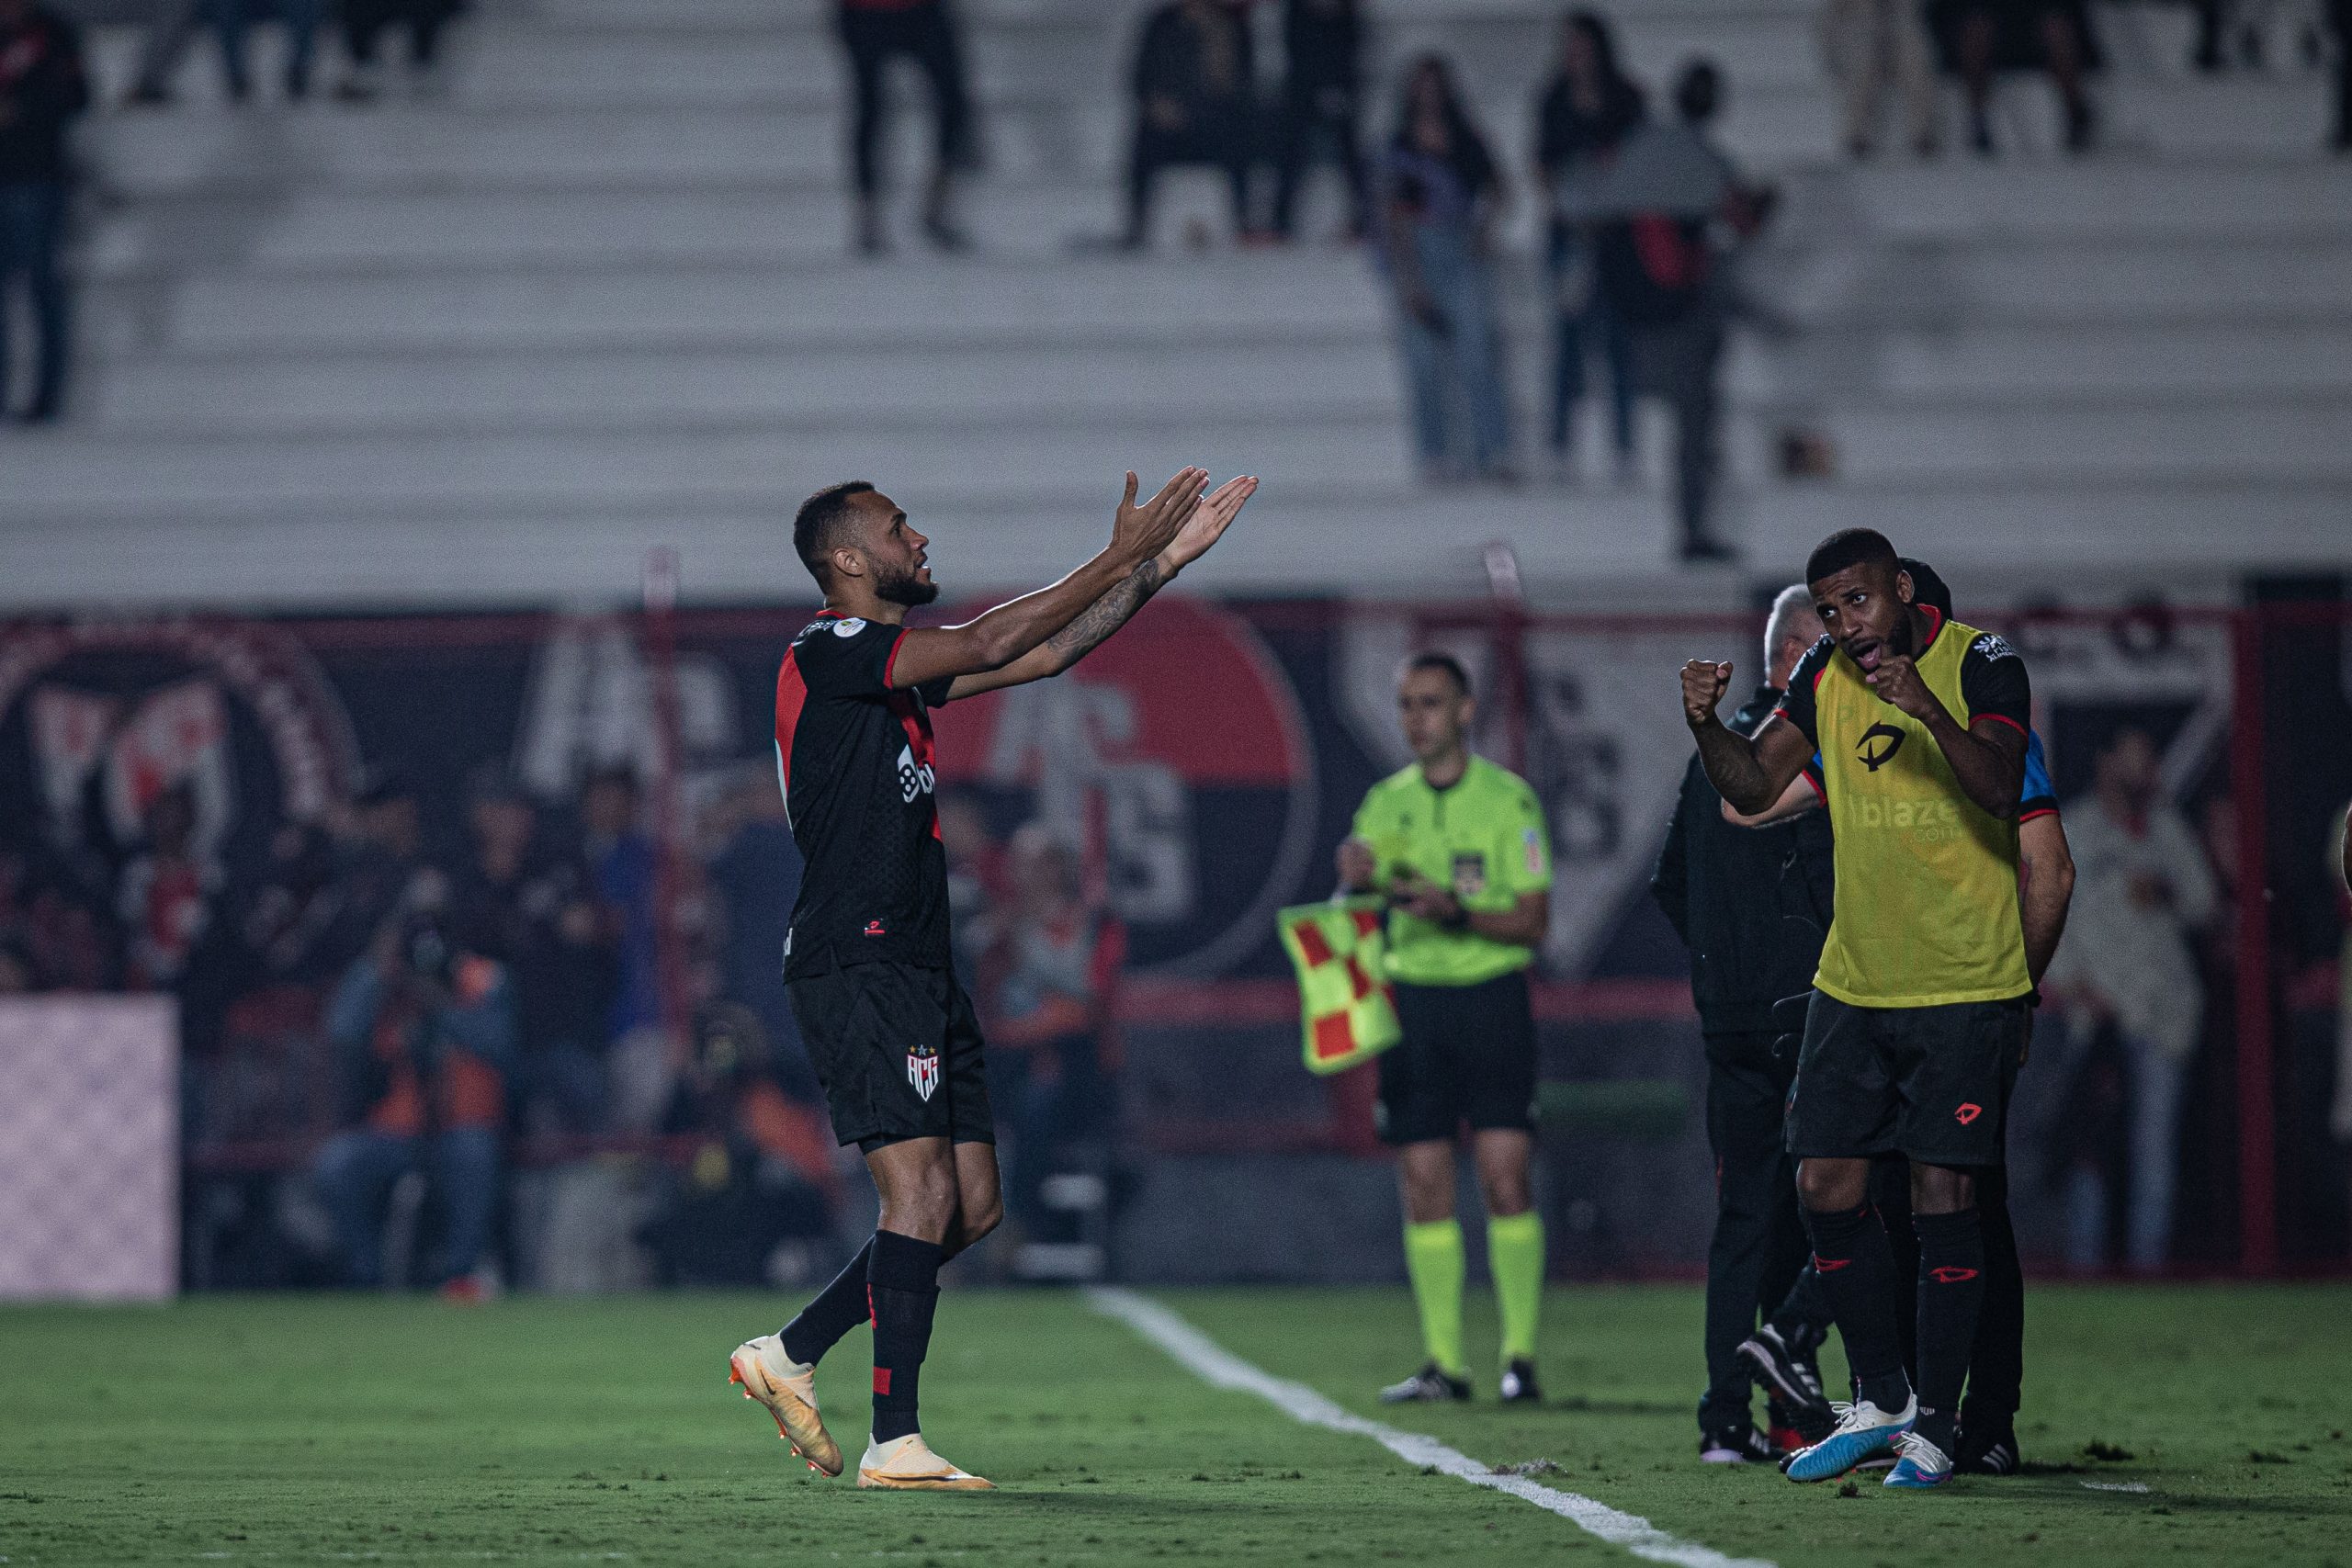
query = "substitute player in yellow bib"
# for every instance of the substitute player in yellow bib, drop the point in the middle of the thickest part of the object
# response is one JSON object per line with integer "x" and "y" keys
{"x": 1917, "y": 1024}
{"x": 1458, "y": 847}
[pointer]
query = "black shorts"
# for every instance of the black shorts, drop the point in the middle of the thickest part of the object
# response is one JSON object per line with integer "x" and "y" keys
{"x": 898, "y": 1049}
{"x": 1932, "y": 1083}
{"x": 1468, "y": 1055}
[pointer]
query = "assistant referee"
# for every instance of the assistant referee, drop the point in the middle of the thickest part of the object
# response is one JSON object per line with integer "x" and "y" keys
{"x": 1458, "y": 847}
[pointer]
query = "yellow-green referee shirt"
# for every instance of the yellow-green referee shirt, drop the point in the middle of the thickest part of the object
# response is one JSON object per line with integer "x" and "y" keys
{"x": 1484, "y": 838}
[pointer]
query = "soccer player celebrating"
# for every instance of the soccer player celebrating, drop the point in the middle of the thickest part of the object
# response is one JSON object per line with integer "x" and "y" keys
{"x": 1918, "y": 1015}
{"x": 1459, "y": 848}
{"x": 866, "y": 963}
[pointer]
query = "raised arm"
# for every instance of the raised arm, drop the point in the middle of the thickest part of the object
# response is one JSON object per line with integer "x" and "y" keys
{"x": 1749, "y": 774}
{"x": 995, "y": 640}
{"x": 1988, "y": 756}
{"x": 1211, "y": 517}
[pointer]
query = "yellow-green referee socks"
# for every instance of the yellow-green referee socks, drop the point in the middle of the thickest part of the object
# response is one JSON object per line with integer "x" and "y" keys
{"x": 1433, "y": 1258}
{"x": 1515, "y": 1254}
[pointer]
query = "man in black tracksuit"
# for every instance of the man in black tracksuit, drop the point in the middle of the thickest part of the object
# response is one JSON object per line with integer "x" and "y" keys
{"x": 1753, "y": 906}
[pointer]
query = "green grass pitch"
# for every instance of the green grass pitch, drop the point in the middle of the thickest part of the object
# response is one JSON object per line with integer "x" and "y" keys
{"x": 537, "y": 1431}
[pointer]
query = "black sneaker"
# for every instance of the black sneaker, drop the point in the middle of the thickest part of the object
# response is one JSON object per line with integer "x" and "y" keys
{"x": 1431, "y": 1386}
{"x": 1519, "y": 1385}
{"x": 1788, "y": 1376}
{"x": 1742, "y": 1444}
{"x": 1993, "y": 1453}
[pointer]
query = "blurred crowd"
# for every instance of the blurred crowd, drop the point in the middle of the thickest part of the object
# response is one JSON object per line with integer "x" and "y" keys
{"x": 391, "y": 1028}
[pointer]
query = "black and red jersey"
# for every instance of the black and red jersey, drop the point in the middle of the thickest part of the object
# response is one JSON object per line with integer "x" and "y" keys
{"x": 856, "y": 761}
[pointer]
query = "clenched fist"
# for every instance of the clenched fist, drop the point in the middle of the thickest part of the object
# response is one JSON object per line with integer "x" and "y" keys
{"x": 1704, "y": 682}
{"x": 1896, "y": 681}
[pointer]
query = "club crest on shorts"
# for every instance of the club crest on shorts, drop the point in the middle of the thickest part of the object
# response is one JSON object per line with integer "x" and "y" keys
{"x": 922, "y": 1070}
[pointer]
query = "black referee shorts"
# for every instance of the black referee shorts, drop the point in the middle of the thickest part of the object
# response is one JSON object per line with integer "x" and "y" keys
{"x": 1932, "y": 1083}
{"x": 1468, "y": 1055}
{"x": 898, "y": 1048}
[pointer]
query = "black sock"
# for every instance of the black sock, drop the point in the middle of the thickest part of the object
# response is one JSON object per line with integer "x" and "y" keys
{"x": 1857, "y": 1267}
{"x": 904, "y": 1280}
{"x": 838, "y": 1308}
{"x": 1952, "y": 1289}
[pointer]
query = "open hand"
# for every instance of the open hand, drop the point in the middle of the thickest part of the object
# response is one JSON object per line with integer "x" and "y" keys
{"x": 1212, "y": 515}
{"x": 1139, "y": 533}
{"x": 1897, "y": 683}
{"x": 1704, "y": 682}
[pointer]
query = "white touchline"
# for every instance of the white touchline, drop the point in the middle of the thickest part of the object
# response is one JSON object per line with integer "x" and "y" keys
{"x": 1213, "y": 1363}
{"x": 2115, "y": 1486}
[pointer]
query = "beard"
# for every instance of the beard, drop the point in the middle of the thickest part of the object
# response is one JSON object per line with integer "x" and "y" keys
{"x": 907, "y": 589}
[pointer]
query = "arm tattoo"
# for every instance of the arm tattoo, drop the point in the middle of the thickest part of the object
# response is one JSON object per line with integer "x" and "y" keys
{"x": 1105, "y": 615}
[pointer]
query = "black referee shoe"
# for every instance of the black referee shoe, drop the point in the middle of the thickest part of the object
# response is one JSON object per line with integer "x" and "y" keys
{"x": 1519, "y": 1385}
{"x": 1742, "y": 1444}
{"x": 1430, "y": 1385}
{"x": 1994, "y": 1453}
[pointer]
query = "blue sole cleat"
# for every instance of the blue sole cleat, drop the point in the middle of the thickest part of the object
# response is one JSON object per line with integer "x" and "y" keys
{"x": 1864, "y": 1432}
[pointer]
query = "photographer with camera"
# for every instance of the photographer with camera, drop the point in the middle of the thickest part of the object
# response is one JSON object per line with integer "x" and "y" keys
{"x": 424, "y": 1031}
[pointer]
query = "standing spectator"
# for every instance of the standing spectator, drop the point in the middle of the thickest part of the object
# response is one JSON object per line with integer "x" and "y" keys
{"x": 1870, "y": 46}
{"x": 231, "y": 20}
{"x": 1675, "y": 205}
{"x": 170, "y": 26}
{"x": 2339, "y": 22}
{"x": 1194, "y": 84}
{"x": 365, "y": 23}
{"x": 2141, "y": 886}
{"x": 1987, "y": 35}
{"x": 626, "y": 866}
{"x": 424, "y": 1030}
{"x": 1753, "y": 906}
{"x": 924, "y": 31}
{"x": 533, "y": 909}
{"x": 1054, "y": 965}
{"x": 755, "y": 873}
{"x": 1322, "y": 100}
{"x": 1438, "y": 194}
{"x": 43, "y": 87}
{"x": 1588, "y": 107}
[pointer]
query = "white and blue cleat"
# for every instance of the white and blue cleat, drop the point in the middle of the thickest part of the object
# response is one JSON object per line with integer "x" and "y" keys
{"x": 1864, "y": 1432}
{"x": 1922, "y": 1465}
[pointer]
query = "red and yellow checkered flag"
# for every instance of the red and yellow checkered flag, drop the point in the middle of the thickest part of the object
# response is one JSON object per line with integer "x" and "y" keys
{"x": 1349, "y": 1014}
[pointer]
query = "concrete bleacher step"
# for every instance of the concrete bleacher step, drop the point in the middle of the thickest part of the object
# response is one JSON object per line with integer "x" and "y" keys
{"x": 2030, "y": 362}
{"x": 1001, "y": 387}
{"x": 2255, "y": 438}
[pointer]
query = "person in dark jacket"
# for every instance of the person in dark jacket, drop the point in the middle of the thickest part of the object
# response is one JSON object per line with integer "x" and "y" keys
{"x": 1753, "y": 906}
{"x": 1322, "y": 100}
{"x": 43, "y": 87}
{"x": 1195, "y": 82}
{"x": 928, "y": 34}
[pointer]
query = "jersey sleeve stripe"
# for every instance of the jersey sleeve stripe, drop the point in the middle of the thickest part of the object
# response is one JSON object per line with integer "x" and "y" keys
{"x": 2031, "y": 812}
{"x": 791, "y": 696}
{"x": 1809, "y": 777}
{"x": 892, "y": 661}
{"x": 1997, "y": 719}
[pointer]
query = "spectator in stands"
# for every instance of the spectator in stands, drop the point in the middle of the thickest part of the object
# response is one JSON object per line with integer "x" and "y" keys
{"x": 624, "y": 864}
{"x": 43, "y": 87}
{"x": 1991, "y": 35}
{"x": 290, "y": 917}
{"x": 1872, "y": 46}
{"x": 1053, "y": 969}
{"x": 365, "y": 23}
{"x": 754, "y": 871}
{"x": 1589, "y": 106}
{"x": 2339, "y": 22}
{"x": 1194, "y": 85}
{"x": 1322, "y": 102}
{"x": 169, "y": 27}
{"x": 166, "y": 893}
{"x": 532, "y": 906}
{"x": 1439, "y": 193}
{"x": 874, "y": 32}
{"x": 425, "y": 1032}
{"x": 1675, "y": 210}
{"x": 2141, "y": 886}
{"x": 231, "y": 21}
{"x": 379, "y": 852}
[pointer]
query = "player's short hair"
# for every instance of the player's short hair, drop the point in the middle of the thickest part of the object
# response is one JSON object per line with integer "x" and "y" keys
{"x": 1849, "y": 548}
{"x": 1928, "y": 586}
{"x": 1793, "y": 619}
{"x": 1446, "y": 663}
{"x": 816, "y": 527}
